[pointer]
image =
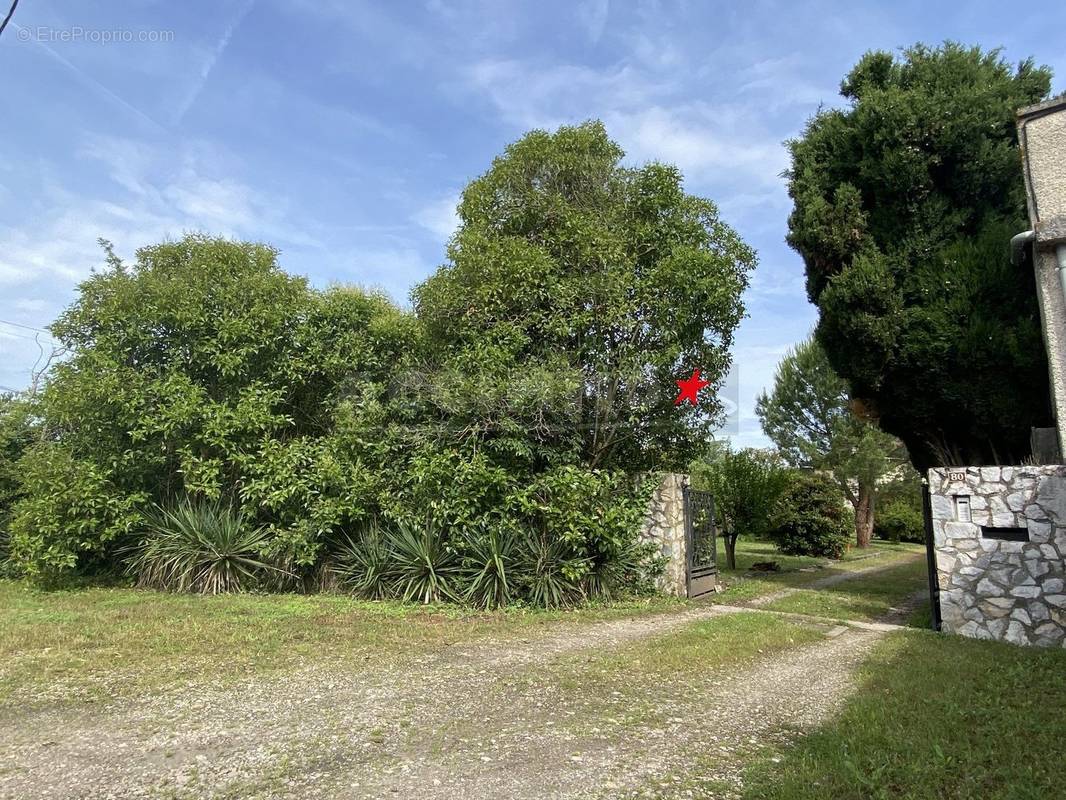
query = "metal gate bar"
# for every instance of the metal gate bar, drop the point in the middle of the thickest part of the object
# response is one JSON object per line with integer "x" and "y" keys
{"x": 701, "y": 542}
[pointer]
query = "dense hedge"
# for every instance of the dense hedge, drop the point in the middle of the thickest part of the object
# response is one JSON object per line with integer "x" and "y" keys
{"x": 208, "y": 389}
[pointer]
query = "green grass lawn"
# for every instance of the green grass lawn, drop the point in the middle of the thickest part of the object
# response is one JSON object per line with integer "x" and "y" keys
{"x": 91, "y": 643}
{"x": 864, "y": 597}
{"x": 798, "y": 571}
{"x": 87, "y": 644}
{"x": 934, "y": 718}
{"x": 751, "y": 550}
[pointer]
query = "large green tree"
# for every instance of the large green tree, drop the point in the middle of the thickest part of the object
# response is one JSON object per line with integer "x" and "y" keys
{"x": 576, "y": 292}
{"x": 809, "y": 416}
{"x": 204, "y": 370}
{"x": 905, "y": 201}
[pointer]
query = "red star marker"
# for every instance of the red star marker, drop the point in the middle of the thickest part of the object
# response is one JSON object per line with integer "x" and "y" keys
{"x": 689, "y": 388}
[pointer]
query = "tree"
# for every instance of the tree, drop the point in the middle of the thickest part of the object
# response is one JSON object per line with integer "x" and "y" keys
{"x": 808, "y": 415}
{"x": 204, "y": 371}
{"x": 577, "y": 290}
{"x": 18, "y": 429}
{"x": 904, "y": 203}
{"x": 746, "y": 485}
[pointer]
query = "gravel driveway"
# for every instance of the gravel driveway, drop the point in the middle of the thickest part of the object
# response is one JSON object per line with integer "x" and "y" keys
{"x": 471, "y": 721}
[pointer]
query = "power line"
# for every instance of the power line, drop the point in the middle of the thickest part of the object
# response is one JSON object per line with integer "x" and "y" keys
{"x": 38, "y": 333}
{"x": 27, "y": 327}
{"x": 10, "y": 14}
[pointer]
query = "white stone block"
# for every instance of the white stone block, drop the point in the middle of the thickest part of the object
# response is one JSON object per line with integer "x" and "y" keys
{"x": 989, "y": 474}
{"x": 969, "y": 629}
{"x": 1016, "y": 633}
{"x": 1025, "y": 591}
{"x": 996, "y": 627}
{"x": 1039, "y": 530}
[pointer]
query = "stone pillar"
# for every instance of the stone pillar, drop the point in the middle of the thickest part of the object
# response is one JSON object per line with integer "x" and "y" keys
{"x": 1042, "y": 135}
{"x": 665, "y": 525}
{"x": 999, "y": 535}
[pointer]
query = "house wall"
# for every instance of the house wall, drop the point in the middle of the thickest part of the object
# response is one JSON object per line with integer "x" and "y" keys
{"x": 1042, "y": 135}
{"x": 990, "y": 588}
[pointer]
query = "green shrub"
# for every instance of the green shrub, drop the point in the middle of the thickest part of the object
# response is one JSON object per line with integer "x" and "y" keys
{"x": 899, "y": 521}
{"x": 203, "y": 547}
{"x": 362, "y": 564}
{"x": 17, "y": 432}
{"x": 421, "y": 565}
{"x": 811, "y": 518}
{"x": 71, "y": 514}
{"x": 548, "y": 573}
{"x": 205, "y": 370}
{"x": 490, "y": 569}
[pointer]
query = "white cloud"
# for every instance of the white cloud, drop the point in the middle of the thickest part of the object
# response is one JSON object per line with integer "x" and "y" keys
{"x": 642, "y": 111}
{"x": 126, "y": 160}
{"x": 440, "y": 217}
{"x": 154, "y": 194}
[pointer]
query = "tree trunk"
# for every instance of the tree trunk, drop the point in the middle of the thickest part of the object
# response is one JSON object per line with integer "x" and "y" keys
{"x": 864, "y": 515}
{"x": 730, "y": 551}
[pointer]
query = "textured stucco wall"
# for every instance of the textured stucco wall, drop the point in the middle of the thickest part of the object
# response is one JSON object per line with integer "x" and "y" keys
{"x": 1053, "y": 322}
{"x": 996, "y": 589}
{"x": 665, "y": 525}
{"x": 1042, "y": 134}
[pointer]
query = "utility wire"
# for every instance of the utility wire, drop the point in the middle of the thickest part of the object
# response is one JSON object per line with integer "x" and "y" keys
{"x": 27, "y": 327}
{"x": 10, "y": 14}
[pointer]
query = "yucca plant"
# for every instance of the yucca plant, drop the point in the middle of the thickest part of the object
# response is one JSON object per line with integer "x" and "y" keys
{"x": 489, "y": 561}
{"x": 362, "y": 564}
{"x": 200, "y": 546}
{"x": 421, "y": 566}
{"x": 545, "y": 567}
{"x": 623, "y": 567}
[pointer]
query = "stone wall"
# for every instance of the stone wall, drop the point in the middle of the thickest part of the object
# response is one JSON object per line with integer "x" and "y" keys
{"x": 665, "y": 525}
{"x": 994, "y": 588}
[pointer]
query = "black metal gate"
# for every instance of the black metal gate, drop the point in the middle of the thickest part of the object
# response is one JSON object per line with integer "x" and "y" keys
{"x": 701, "y": 542}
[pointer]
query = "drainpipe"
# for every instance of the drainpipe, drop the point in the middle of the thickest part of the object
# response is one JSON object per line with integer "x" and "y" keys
{"x": 1017, "y": 246}
{"x": 1060, "y": 256}
{"x": 1020, "y": 241}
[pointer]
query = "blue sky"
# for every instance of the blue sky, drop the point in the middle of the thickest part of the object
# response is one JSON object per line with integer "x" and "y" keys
{"x": 342, "y": 132}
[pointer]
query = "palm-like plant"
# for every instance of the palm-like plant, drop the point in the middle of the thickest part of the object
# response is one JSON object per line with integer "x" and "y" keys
{"x": 204, "y": 547}
{"x": 421, "y": 566}
{"x": 545, "y": 568}
{"x": 490, "y": 557}
{"x": 626, "y": 566}
{"x": 363, "y": 564}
